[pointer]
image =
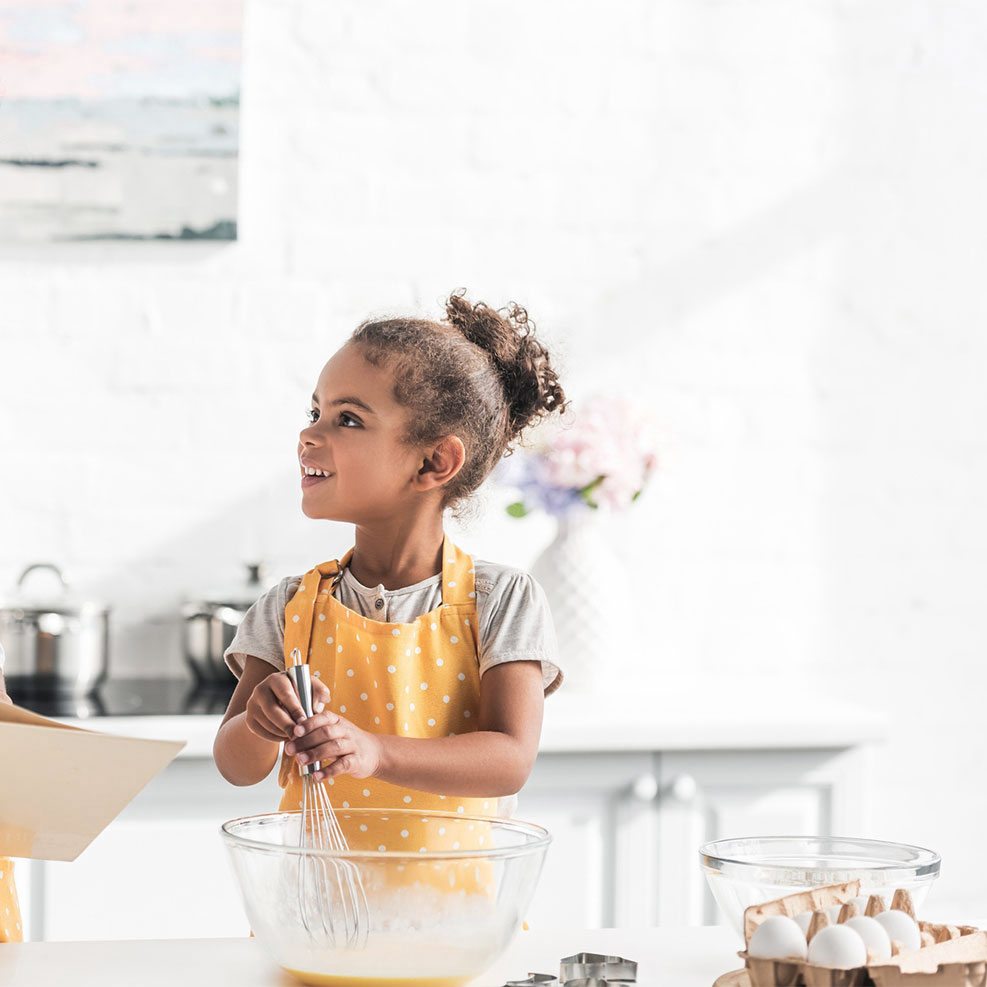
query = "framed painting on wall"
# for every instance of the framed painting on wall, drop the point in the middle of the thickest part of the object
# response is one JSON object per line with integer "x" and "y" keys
{"x": 119, "y": 119}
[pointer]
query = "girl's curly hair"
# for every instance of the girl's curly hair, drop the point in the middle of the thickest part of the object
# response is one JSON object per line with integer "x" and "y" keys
{"x": 479, "y": 373}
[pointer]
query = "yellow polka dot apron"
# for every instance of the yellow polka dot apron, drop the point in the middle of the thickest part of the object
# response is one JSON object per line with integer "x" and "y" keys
{"x": 10, "y": 913}
{"x": 419, "y": 679}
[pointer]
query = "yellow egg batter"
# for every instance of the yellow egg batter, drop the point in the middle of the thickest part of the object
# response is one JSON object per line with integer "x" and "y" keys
{"x": 335, "y": 980}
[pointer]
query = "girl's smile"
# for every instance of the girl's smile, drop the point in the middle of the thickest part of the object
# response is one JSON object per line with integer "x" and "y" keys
{"x": 311, "y": 481}
{"x": 313, "y": 474}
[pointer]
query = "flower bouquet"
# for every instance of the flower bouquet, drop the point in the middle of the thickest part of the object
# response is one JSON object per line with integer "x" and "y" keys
{"x": 602, "y": 459}
{"x": 599, "y": 463}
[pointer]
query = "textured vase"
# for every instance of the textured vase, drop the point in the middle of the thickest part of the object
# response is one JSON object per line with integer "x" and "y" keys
{"x": 580, "y": 574}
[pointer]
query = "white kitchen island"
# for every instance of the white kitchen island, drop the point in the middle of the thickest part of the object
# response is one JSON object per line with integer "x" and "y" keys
{"x": 629, "y": 787}
{"x": 691, "y": 957}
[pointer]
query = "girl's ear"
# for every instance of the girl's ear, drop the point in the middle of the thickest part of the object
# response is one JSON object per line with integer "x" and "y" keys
{"x": 441, "y": 464}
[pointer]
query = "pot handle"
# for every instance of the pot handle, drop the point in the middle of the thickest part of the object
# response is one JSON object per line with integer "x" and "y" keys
{"x": 42, "y": 565}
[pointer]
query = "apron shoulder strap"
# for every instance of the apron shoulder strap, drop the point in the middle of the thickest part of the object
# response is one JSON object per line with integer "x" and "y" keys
{"x": 458, "y": 576}
{"x": 299, "y": 612}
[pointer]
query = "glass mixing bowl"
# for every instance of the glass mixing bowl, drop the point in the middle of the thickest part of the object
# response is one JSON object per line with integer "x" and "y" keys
{"x": 436, "y": 916}
{"x": 757, "y": 869}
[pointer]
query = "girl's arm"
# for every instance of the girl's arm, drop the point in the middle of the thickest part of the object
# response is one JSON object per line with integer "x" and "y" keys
{"x": 494, "y": 760}
{"x": 262, "y": 712}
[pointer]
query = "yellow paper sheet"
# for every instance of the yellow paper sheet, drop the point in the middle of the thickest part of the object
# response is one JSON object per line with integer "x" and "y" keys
{"x": 60, "y": 786}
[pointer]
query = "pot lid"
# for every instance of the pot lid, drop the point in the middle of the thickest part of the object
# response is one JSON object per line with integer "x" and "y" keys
{"x": 241, "y": 594}
{"x": 49, "y": 593}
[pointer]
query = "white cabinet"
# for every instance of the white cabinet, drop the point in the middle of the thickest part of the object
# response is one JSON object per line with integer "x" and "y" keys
{"x": 627, "y": 827}
{"x": 141, "y": 880}
{"x": 600, "y": 830}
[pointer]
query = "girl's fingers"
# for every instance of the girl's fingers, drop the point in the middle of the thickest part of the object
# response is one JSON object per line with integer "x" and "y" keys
{"x": 285, "y": 694}
{"x": 341, "y": 766}
{"x": 278, "y": 721}
{"x": 263, "y": 728}
{"x": 325, "y": 753}
{"x": 320, "y": 695}
{"x": 314, "y": 723}
{"x": 276, "y": 718}
{"x": 322, "y": 734}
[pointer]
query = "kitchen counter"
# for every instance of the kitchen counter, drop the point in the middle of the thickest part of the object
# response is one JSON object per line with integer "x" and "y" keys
{"x": 682, "y": 716}
{"x": 689, "y": 957}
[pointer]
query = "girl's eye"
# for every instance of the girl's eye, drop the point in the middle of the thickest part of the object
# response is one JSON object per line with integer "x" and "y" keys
{"x": 312, "y": 414}
{"x": 345, "y": 418}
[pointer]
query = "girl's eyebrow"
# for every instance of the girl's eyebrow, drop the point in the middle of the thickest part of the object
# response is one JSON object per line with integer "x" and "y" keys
{"x": 338, "y": 401}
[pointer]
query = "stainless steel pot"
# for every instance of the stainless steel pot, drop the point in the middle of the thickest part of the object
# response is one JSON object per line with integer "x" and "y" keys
{"x": 211, "y": 624}
{"x": 56, "y": 645}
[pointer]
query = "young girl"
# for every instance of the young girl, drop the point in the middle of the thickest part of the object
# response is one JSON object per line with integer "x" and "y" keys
{"x": 10, "y": 915}
{"x": 430, "y": 667}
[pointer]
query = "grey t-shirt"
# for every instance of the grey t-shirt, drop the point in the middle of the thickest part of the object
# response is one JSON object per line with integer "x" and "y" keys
{"x": 515, "y": 623}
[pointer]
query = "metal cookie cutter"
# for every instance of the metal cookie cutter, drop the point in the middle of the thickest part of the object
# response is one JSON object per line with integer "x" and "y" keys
{"x": 585, "y": 970}
{"x": 596, "y": 970}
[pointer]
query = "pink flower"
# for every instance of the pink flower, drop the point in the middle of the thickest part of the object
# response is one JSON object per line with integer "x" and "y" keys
{"x": 605, "y": 451}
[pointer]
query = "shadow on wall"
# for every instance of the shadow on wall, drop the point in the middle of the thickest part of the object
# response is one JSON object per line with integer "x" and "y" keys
{"x": 667, "y": 295}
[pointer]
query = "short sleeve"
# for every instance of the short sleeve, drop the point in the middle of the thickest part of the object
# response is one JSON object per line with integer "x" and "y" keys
{"x": 261, "y": 632}
{"x": 515, "y": 622}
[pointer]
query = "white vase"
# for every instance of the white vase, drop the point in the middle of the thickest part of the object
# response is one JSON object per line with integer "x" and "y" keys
{"x": 580, "y": 574}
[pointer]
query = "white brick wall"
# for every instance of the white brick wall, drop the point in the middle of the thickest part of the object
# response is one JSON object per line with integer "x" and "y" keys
{"x": 764, "y": 218}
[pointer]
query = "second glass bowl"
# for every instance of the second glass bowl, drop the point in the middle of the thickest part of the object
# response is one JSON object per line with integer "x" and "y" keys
{"x": 743, "y": 872}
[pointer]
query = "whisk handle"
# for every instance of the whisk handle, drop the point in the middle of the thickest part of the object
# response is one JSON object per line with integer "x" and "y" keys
{"x": 301, "y": 679}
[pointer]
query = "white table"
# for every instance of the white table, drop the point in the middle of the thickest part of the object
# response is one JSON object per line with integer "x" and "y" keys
{"x": 688, "y": 957}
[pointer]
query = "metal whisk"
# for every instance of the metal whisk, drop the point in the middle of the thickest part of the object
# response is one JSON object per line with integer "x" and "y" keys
{"x": 331, "y": 896}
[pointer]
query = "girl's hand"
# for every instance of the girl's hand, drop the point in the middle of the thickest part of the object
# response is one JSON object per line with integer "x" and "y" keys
{"x": 273, "y": 708}
{"x": 342, "y": 747}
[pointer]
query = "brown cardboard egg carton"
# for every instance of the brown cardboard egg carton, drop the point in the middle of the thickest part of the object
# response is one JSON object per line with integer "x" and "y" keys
{"x": 950, "y": 956}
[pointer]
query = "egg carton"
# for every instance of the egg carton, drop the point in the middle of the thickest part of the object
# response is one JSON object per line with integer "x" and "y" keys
{"x": 950, "y": 955}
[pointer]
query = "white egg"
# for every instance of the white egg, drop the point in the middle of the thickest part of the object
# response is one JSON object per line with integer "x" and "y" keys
{"x": 861, "y": 902}
{"x": 833, "y": 912}
{"x": 874, "y": 935}
{"x": 778, "y": 938}
{"x": 803, "y": 920}
{"x": 900, "y": 926}
{"x": 838, "y": 948}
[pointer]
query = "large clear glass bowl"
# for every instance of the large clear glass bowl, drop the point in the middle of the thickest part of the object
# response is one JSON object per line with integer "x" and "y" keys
{"x": 436, "y": 916}
{"x": 750, "y": 871}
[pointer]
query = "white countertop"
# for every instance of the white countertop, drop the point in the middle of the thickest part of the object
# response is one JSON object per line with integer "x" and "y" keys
{"x": 691, "y": 957}
{"x": 682, "y": 717}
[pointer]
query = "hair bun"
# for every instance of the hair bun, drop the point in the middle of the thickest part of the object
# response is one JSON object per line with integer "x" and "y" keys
{"x": 531, "y": 385}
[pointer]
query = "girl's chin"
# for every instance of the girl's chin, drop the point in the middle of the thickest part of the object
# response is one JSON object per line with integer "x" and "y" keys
{"x": 324, "y": 512}
{"x": 316, "y": 514}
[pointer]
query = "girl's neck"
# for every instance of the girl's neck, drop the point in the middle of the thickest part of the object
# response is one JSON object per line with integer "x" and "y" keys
{"x": 397, "y": 555}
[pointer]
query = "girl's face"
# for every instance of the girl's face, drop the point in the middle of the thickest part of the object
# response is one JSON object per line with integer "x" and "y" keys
{"x": 354, "y": 436}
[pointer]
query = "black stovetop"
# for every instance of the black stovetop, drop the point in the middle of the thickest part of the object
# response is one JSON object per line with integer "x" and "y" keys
{"x": 132, "y": 697}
